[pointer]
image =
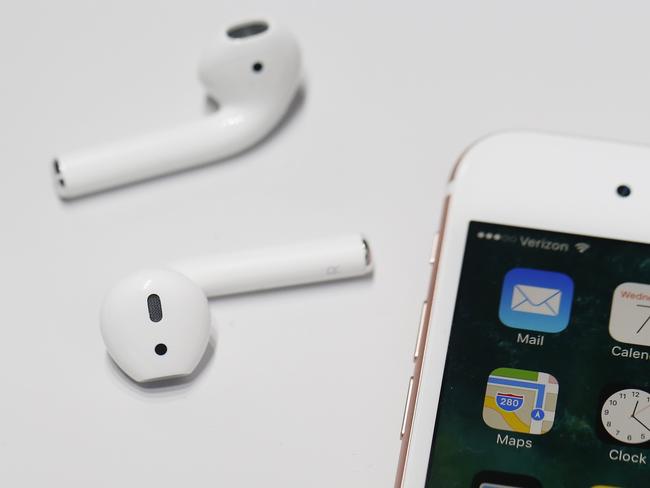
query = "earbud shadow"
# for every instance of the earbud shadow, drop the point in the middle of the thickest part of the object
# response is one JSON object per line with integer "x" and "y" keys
{"x": 170, "y": 386}
{"x": 210, "y": 106}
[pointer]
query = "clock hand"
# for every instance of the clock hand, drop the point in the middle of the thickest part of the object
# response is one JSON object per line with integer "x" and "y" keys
{"x": 635, "y": 406}
{"x": 634, "y": 415}
{"x": 644, "y": 409}
{"x": 646, "y": 427}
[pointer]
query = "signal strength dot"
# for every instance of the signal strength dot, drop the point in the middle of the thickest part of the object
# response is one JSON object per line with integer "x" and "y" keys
{"x": 480, "y": 235}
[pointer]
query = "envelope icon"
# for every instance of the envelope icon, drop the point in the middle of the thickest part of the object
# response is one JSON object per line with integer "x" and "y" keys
{"x": 535, "y": 299}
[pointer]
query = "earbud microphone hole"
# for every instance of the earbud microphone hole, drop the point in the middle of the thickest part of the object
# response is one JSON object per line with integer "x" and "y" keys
{"x": 257, "y": 67}
{"x": 161, "y": 349}
{"x": 155, "y": 308}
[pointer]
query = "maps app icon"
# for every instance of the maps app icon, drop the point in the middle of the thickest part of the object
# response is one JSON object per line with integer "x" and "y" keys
{"x": 518, "y": 400}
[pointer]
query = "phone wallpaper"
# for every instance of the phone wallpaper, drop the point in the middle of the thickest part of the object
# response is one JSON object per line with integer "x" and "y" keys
{"x": 547, "y": 376}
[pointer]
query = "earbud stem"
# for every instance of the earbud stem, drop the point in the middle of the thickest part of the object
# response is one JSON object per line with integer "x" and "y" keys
{"x": 216, "y": 137}
{"x": 262, "y": 269}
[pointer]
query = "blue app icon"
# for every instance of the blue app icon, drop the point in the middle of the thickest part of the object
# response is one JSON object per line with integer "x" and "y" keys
{"x": 533, "y": 299}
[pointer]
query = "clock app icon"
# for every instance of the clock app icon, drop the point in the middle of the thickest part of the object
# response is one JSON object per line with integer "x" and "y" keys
{"x": 626, "y": 416}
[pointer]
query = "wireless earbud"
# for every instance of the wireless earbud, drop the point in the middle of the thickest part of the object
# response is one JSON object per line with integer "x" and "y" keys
{"x": 251, "y": 70}
{"x": 156, "y": 322}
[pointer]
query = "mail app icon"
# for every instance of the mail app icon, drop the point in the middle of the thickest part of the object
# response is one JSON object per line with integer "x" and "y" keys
{"x": 533, "y": 299}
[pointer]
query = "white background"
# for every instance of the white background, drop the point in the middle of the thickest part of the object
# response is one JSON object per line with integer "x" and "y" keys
{"x": 306, "y": 386}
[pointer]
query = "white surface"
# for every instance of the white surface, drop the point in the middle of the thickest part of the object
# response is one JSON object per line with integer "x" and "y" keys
{"x": 306, "y": 386}
{"x": 556, "y": 198}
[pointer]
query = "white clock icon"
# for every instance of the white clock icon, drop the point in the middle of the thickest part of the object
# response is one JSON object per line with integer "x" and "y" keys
{"x": 626, "y": 416}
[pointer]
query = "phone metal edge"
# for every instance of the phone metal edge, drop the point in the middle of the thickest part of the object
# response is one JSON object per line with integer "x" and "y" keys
{"x": 411, "y": 401}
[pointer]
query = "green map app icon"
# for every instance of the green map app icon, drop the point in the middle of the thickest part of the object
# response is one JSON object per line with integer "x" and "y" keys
{"x": 518, "y": 400}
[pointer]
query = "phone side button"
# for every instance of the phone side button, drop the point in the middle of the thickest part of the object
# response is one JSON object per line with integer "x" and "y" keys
{"x": 434, "y": 248}
{"x": 407, "y": 404}
{"x": 418, "y": 342}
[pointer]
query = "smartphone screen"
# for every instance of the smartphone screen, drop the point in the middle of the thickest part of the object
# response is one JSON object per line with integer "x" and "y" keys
{"x": 547, "y": 375}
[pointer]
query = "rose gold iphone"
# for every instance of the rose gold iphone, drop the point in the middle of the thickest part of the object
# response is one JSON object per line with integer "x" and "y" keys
{"x": 532, "y": 367}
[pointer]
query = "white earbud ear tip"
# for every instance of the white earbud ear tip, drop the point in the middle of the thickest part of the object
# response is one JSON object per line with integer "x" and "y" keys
{"x": 156, "y": 325}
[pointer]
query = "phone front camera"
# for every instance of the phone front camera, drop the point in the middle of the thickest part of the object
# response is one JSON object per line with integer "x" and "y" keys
{"x": 624, "y": 191}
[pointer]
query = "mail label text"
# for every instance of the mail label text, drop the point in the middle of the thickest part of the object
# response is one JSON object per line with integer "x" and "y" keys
{"x": 533, "y": 340}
